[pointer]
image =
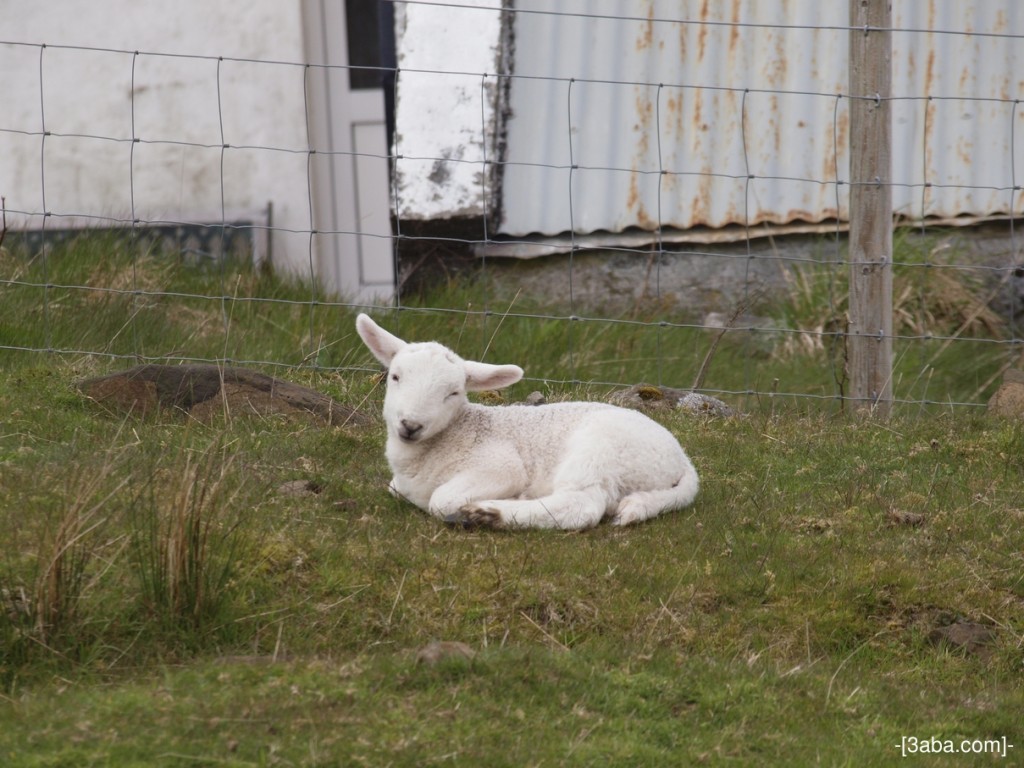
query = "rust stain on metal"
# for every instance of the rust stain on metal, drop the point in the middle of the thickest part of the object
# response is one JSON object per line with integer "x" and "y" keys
{"x": 794, "y": 214}
{"x": 644, "y": 105}
{"x": 634, "y": 202}
{"x": 965, "y": 77}
{"x": 647, "y": 31}
{"x": 672, "y": 105}
{"x": 734, "y": 31}
{"x": 831, "y": 157}
{"x": 929, "y": 72}
{"x": 781, "y": 64}
{"x": 644, "y": 221}
{"x": 964, "y": 150}
{"x": 644, "y": 112}
{"x": 929, "y": 129}
{"x": 674, "y": 111}
{"x": 843, "y": 128}
{"x": 633, "y": 195}
{"x": 736, "y": 213}
{"x": 773, "y": 123}
{"x": 701, "y": 210}
{"x": 702, "y": 33}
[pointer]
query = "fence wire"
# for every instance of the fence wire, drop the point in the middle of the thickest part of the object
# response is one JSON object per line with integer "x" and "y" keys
{"x": 984, "y": 325}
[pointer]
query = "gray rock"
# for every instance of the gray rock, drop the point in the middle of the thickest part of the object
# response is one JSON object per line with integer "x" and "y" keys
{"x": 647, "y": 397}
{"x": 1008, "y": 400}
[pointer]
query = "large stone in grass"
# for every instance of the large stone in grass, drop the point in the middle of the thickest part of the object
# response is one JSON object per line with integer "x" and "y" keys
{"x": 645, "y": 397}
{"x": 1008, "y": 400}
{"x": 206, "y": 391}
{"x": 970, "y": 637}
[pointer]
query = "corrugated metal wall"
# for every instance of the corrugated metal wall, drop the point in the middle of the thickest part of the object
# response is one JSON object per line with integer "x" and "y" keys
{"x": 697, "y": 114}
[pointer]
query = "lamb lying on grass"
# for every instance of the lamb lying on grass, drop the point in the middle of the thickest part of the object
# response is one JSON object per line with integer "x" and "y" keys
{"x": 566, "y": 465}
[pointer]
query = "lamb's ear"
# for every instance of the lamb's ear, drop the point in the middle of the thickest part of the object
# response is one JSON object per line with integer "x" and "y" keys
{"x": 484, "y": 376}
{"x": 384, "y": 345}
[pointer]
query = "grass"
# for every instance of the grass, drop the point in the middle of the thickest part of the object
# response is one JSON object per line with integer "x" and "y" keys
{"x": 167, "y": 598}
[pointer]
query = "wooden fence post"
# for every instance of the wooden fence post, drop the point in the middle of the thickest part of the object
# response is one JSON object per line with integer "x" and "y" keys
{"x": 869, "y": 337}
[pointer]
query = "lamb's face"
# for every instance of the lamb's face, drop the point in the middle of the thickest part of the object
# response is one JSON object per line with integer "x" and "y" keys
{"x": 426, "y": 391}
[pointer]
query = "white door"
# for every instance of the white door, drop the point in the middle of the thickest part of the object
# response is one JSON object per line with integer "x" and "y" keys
{"x": 352, "y": 245}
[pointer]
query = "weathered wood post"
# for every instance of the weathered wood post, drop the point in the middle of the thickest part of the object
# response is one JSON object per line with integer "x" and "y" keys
{"x": 870, "y": 326}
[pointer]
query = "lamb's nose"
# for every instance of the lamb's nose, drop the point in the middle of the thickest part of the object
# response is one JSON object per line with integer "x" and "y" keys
{"x": 409, "y": 429}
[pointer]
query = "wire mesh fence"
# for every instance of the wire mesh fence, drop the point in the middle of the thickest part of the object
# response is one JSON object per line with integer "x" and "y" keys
{"x": 685, "y": 213}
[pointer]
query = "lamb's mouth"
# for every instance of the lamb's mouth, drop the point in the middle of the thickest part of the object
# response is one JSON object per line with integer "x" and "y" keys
{"x": 409, "y": 430}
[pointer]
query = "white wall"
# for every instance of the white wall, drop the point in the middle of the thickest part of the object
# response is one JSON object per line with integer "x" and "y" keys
{"x": 184, "y": 110}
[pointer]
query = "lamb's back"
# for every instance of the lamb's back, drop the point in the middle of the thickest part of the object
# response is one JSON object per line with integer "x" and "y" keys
{"x": 537, "y": 428}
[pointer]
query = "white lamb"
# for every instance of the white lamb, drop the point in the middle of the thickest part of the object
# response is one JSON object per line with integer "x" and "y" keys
{"x": 565, "y": 465}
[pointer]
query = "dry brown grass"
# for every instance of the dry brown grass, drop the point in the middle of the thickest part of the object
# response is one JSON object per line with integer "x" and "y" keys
{"x": 184, "y": 537}
{"x": 79, "y": 549}
{"x": 943, "y": 302}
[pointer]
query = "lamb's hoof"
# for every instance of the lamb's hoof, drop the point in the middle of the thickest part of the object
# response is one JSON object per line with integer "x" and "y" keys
{"x": 631, "y": 510}
{"x": 459, "y": 520}
{"x": 483, "y": 517}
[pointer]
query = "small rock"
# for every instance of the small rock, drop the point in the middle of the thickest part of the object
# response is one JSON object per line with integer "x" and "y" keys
{"x": 970, "y": 637}
{"x": 442, "y": 650}
{"x": 299, "y": 488}
{"x": 1008, "y": 400}
{"x": 535, "y": 398}
{"x": 646, "y": 397}
{"x": 704, "y": 405}
{"x": 912, "y": 519}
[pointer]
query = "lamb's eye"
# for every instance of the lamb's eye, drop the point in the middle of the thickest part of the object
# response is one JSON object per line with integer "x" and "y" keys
{"x": 453, "y": 394}
{"x": 394, "y": 377}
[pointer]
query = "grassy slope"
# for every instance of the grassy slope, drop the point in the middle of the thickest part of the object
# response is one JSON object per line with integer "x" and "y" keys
{"x": 784, "y": 619}
{"x": 786, "y": 616}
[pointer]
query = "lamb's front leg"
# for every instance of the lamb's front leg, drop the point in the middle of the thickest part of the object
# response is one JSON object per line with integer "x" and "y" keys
{"x": 569, "y": 510}
{"x": 468, "y": 487}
